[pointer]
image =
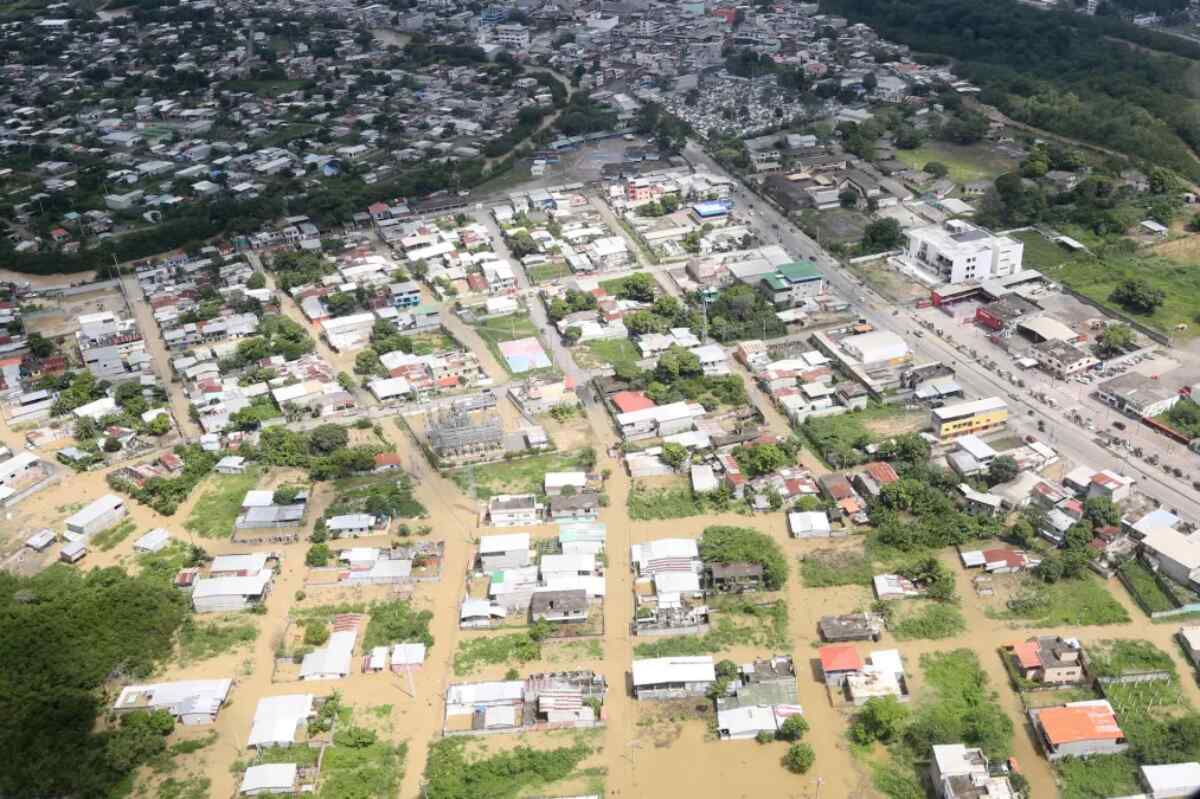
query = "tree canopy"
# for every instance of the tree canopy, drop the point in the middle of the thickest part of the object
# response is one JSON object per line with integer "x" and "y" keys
{"x": 721, "y": 544}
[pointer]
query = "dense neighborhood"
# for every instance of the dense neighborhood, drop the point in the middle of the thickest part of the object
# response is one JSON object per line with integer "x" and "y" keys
{"x": 439, "y": 399}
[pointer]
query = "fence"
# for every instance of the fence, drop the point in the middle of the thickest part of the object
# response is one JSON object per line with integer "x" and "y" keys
{"x": 1178, "y": 610}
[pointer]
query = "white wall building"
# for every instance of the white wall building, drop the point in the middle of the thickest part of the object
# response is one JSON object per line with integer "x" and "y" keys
{"x": 957, "y": 252}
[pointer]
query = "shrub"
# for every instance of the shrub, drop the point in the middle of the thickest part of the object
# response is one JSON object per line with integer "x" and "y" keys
{"x": 316, "y": 634}
{"x": 792, "y": 729}
{"x": 799, "y": 758}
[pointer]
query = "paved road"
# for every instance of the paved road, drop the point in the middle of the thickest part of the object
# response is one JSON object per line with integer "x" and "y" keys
{"x": 1074, "y": 442}
{"x": 159, "y": 355}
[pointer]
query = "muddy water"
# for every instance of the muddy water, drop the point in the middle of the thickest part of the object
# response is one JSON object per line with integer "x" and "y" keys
{"x": 58, "y": 280}
{"x": 643, "y": 756}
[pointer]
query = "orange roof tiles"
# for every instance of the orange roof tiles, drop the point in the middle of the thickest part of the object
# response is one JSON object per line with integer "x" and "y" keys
{"x": 1027, "y": 654}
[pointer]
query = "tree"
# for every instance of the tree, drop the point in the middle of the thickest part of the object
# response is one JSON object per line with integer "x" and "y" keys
{"x": 760, "y": 459}
{"x": 112, "y": 445}
{"x": 639, "y": 286}
{"x": 881, "y": 235}
{"x": 721, "y": 544}
{"x": 39, "y": 345}
{"x": 328, "y": 438}
{"x": 141, "y": 736}
{"x": 1137, "y": 296}
{"x": 256, "y": 281}
{"x": 1002, "y": 469}
{"x": 318, "y": 555}
{"x": 937, "y": 169}
{"x": 674, "y": 455}
{"x": 848, "y": 198}
{"x": 1101, "y": 512}
{"x": 881, "y": 719}
{"x": 367, "y": 362}
{"x": 793, "y": 728}
{"x": 160, "y": 425}
{"x": 1115, "y": 340}
{"x": 639, "y": 323}
{"x": 799, "y": 758}
{"x": 316, "y": 633}
{"x": 572, "y": 335}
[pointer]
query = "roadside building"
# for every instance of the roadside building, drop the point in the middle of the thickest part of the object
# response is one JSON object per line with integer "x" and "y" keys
{"x": 969, "y": 418}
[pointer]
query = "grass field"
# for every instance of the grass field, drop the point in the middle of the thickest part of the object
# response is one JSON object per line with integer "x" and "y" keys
{"x": 504, "y": 328}
{"x": 1079, "y": 602}
{"x": 264, "y": 88}
{"x": 1097, "y": 276}
{"x": 429, "y": 343}
{"x": 888, "y": 282}
{"x": 203, "y": 640}
{"x": 613, "y": 287}
{"x": 215, "y": 511}
{"x": 543, "y": 272}
{"x": 614, "y": 352}
{"x": 523, "y": 475}
{"x": 1145, "y": 587}
{"x": 107, "y": 539}
{"x": 966, "y": 163}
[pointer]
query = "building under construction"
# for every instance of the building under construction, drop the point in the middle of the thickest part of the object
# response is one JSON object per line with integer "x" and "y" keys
{"x": 456, "y": 437}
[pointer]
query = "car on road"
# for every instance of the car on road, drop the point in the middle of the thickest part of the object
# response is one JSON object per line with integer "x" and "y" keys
{"x": 1119, "y": 425}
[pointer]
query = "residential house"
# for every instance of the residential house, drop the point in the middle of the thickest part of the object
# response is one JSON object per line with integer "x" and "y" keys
{"x": 504, "y": 551}
{"x": 100, "y": 514}
{"x": 838, "y": 662}
{"x": 508, "y": 510}
{"x": 189, "y": 701}
{"x": 959, "y": 772}
{"x": 673, "y": 677}
{"x": 1078, "y": 729}
{"x": 735, "y": 578}
{"x": 570, "y": 606}
{"x": 584, "y": 506}
{"x": 850, "y": 627}
{"x": 1048, "y": 659}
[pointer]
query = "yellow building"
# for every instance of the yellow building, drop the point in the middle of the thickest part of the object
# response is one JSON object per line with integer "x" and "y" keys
{"x": 973, "y": 417}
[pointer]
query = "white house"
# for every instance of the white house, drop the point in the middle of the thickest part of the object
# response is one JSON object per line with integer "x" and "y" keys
{"x": 673, "y": 678}
{"x": 100, "y": 514}
{"x": 332, "y": 661}
{"x": 510, "y": 551}
{"x": 957, "y": 252}
{"x": 277, "y": 718}
{"x": 189, "y": 701}
{"x": 269, "y": 778}
{"x": 225, "y": 594}
{"x": 809, "y": 524}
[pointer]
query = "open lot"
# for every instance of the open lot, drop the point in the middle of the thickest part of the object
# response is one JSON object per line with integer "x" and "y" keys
{"x": 888, "y": 282}
{"x": 966, "y": 163}
{"x": 219, "y": 503}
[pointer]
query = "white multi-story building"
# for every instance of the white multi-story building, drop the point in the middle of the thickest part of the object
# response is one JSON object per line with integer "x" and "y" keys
{"x": 957, "y": 252}
{"x": 515, "y": 37}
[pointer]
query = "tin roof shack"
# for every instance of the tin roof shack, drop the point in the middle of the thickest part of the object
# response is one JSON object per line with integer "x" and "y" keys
{"x": 735, "y": 578}
{"x": 883, "y": 676}
{"x": 1172, "y": 780}
{"x": 190, "y": 701}
{"x": 673, "y": 678}
{"x": 850, "y": 627}
{"x": 273, "y": 778}
{"x": 509, "y": 551}
{"x": 1048, "y": 659}
{"x": 278, "y": 718}
{"x": 260, "y": 512}
{"x": 763, "y": 696}
{"x": 552, "y": 700}
{"x": 957, "y": 772}
{"x": 232, "y": 593}
{"x": 1189, "y": 639}
{"x": 560, "y": 607}
{"x": 100, "y": 514}
{"x": 1078, "y": 729}
{"x": 72, "y": 552}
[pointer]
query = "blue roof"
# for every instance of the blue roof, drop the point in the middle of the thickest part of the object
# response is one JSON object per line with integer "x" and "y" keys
{"x": 711, "y": 208}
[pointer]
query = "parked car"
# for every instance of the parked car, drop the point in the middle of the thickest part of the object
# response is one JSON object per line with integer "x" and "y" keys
{"x": 1119, "y": 425}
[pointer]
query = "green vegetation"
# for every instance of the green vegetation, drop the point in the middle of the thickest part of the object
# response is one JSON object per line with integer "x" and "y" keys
{"x": 382, "y": 495}
{"x": 217, "y": 508}
{"x": 829, "y": 568}
{"x": 505, "y": 775}
{"x": 504, "y": 328}
{"x": 1041, "y": 70}
{"x": 919, "y": 512}
{"x": 679, "y": 376}
{"x": 358, "y": 766}
{"x": 1098, "y": 777}
{"x": 966, "y": 162}
{"x": 841, "y": 441}
{"x": 1184, "y": 416}
{"x": 63, "y": 633}
{"x": 618, "y": 352}
{"x": 201, "y": 640}
{"x": 1144, "y": 587}
{"x": 741, "y": 312}
{"x": 511, "y": 648}
{"x": 397, "y": 622}
{"x": 322, "y": 450}
{"x": 1112, "y": 658}
{"x": 546, "y": 272}
{"x": 107, "y": 539}
{"x": 928, "y": 620}
{"x": 164, "y": 494}
{"x": 522, "y": 475}
{"x": 1082, "y": 601}
{"x": 737, "y": 623}
{"x": 302, "y": 755}
{"x": 719, "y": 544}
{"x": 645, "y": 504}
{"x": 264, "y": 88}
